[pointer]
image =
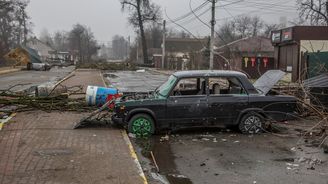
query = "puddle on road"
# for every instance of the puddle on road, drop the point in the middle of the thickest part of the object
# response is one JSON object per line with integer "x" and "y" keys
{"x": 164, "y": 158}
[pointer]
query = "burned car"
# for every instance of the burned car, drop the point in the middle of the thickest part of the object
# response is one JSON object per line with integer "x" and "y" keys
{"x": 204, "y": 99}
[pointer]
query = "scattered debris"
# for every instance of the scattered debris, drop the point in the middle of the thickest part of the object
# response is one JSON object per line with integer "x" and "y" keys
{"x": 224, "y": 140}
{"x": 215, "y": 140}
{"x": 205, "y": 139}
{"x": 164, "y": 138}
{"x": 202, "y": 164}
{"x": 131, "y": 135}
{"x": 236, "y": 142}
{"x": 141, "y": 71}
{"x": 154, "y": 160}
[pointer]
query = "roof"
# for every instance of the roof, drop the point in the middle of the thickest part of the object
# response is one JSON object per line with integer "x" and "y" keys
{"x": 318, "y": 81}
{"x": 207, "y": 73}
{"x": 23, "y": 55}
{"x": 250, "y": 44}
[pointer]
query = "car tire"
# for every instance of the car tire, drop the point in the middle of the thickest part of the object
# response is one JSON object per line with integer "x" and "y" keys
{"x": 142, "y": 125}
{"x": 251, "y": 123}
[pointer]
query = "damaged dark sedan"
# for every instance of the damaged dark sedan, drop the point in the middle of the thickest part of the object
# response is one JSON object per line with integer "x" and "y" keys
{"x": 205, "y": 99}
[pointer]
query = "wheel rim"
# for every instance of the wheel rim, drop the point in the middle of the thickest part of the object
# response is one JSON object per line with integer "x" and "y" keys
{"x": 141, "y": 127}
{"x": 253, "y": 124}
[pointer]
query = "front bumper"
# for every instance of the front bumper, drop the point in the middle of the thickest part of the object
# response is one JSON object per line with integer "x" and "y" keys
{"x": 117, "y": 120}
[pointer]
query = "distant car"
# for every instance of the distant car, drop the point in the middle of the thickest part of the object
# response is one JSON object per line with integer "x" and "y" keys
{"x": 203, "y": 99}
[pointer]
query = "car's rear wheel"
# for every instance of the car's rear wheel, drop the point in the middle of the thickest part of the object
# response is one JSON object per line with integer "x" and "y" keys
{"x": 251, "y": 123}
{"x": 142, "y": 125}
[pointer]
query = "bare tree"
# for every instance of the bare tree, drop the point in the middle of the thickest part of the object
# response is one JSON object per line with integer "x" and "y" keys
{"x": 60, "y": 40}
{"x": 14, "y": 25}
{"x": 120, "y": 47}
{"x": 256, "y": 25}
{"x": 46, "y": 38}
{"x": 315, "y": 11}
{"x": 241, "y": 27}
{"x": 141, "y": 12}
{"x": 81, "y": 39}
{"x": 268, "y": 28}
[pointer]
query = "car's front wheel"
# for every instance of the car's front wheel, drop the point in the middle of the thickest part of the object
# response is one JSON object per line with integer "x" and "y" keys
{"x": 251, "y": 123}
{"x": 142, "y": 125}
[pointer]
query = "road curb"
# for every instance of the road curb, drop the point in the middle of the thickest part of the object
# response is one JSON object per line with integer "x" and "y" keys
{"x": 2, "y": 72}
{"x": 134, "y": 157}
{"x": 130, "y": 146}
{"x": 6, "y": 120}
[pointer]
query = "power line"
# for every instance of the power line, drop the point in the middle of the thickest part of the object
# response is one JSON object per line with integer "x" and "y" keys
{"x": 190, "y": 13}
{"x": 174, "y": 22}
{"x": 221, "y": 38}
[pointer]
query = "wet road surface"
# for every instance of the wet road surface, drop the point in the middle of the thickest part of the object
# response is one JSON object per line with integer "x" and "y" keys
{"x": 33, "y": 78}
{"x": 230, "y": 157}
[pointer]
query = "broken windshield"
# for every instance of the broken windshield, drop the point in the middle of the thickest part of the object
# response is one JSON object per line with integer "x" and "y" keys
{"x": 165, "y": 88}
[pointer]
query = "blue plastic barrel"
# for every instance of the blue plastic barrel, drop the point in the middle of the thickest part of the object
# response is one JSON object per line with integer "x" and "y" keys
{"x": 98, "y": 95}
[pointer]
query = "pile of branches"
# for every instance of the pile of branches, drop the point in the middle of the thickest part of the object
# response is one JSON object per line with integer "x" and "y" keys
{"x": 309, "y": 108}
{"x": 112, "y": 66}
{"x": 19, "y": 102}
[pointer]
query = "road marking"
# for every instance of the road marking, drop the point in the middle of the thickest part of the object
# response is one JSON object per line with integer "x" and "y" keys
{"x": 102, "y": 78}
{"x": 134, "y": 156}
{"x": 130, "y": 146}
{"x": 6, "y": 120}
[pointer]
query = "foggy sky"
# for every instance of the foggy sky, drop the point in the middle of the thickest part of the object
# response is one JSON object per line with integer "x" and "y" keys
{"x": 106, "y": 19}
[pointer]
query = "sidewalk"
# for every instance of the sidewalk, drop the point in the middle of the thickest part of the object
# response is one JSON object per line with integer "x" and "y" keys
{"x": 39, "y": 147}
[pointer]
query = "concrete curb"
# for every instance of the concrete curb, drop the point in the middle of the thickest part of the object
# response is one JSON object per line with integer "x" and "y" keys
{"x": 10, "y": 71}
{"x": 6, "y": 120}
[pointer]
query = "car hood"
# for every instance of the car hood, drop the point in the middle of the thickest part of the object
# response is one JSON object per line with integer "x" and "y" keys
{"x": 266, "y": 82}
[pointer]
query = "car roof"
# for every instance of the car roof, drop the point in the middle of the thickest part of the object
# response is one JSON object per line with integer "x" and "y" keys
{"x": 208, "y": 73}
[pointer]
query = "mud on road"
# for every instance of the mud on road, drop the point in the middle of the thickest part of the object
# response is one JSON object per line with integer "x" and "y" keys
{"x": 221, "y": 156}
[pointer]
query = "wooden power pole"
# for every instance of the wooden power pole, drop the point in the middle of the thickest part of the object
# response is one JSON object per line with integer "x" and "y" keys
{"x": 212, "y": 35}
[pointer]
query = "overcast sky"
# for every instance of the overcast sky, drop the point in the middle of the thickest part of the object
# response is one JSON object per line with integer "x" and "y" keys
{"x": 106, "y": 19}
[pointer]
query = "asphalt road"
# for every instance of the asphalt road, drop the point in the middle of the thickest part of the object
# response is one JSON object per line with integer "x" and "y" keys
{"x": 32, "y": 78}
{"x": 132, "y": 81}
{"x": 221, "y": 156}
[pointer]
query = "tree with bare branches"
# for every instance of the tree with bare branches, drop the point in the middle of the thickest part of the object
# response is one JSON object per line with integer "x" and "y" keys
{"x": 141, "y": 12}
{"x": 315, "y": 11}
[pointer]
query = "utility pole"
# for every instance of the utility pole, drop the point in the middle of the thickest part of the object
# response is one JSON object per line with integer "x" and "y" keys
{"x": 212, "y": 35}
{"x": 137, "y": 51}
{"x": 163, "y": 45}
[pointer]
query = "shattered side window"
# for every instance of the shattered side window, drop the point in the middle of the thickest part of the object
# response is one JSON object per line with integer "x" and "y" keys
{"x": 226, "y": 85}
{"x": 165, "y": 88}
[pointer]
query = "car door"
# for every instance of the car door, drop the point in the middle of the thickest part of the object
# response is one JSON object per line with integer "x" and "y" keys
{"x": 226, "y": 100}
{"x": 187, "y": 104}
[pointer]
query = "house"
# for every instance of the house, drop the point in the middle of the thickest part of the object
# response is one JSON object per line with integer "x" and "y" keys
{"x": 253, "y": 56}
{"x": 180, "y": 52}
{"x": 22, "y": 56}
{"x": 43, "y": 49}
{"x": 296, "y": 48}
